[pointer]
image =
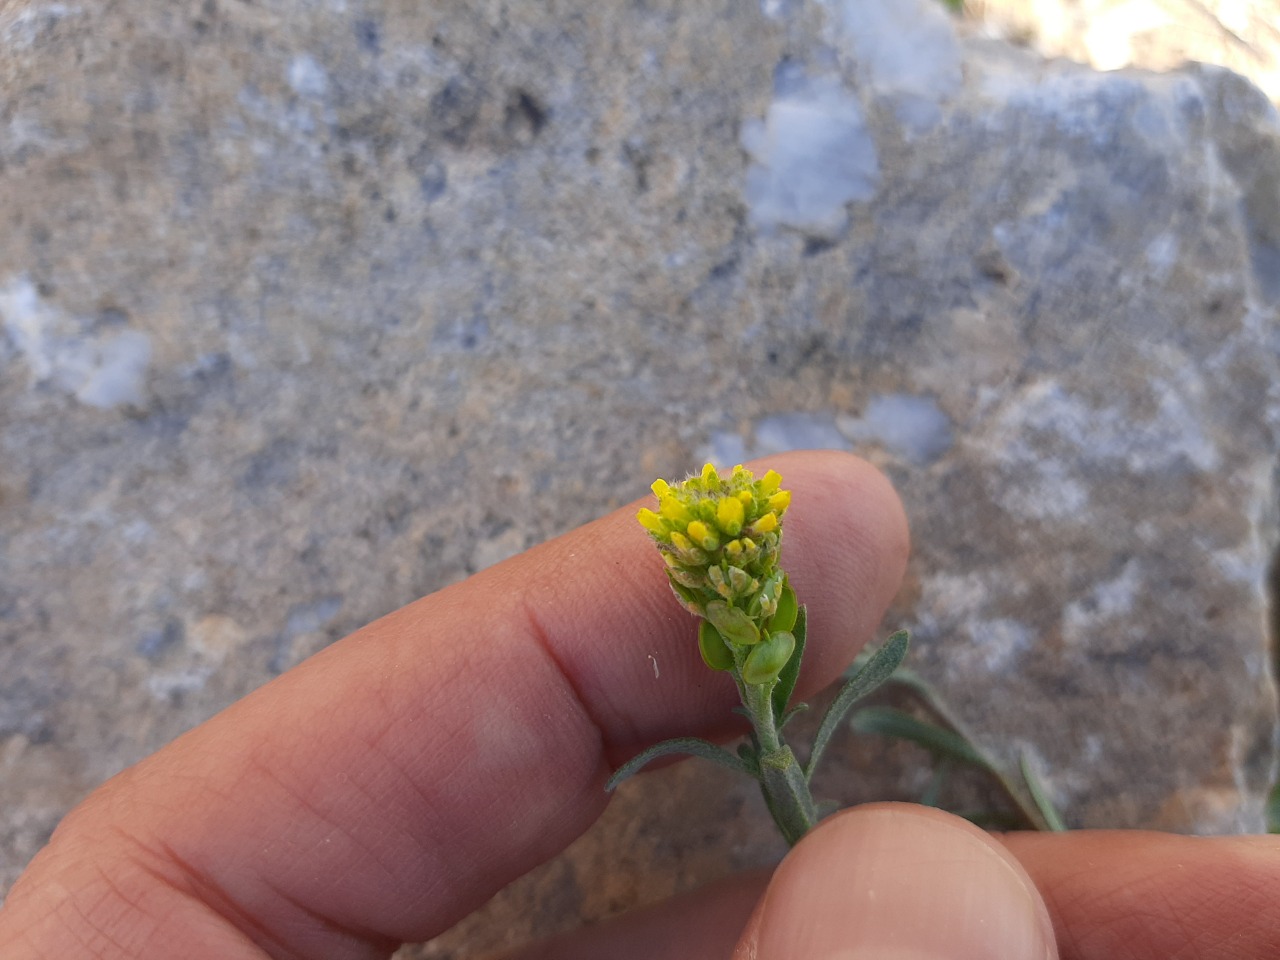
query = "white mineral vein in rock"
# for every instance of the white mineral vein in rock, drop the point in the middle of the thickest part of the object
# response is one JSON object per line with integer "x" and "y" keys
{"x": 1162, "y": 254}
{"x": 811, "y": 155}
{"x": 813, "y": 152}
{"x": 968, "y": 604}
{"x": 307, "y": 77}
{"x": 100, "y": 371}
{"x": 996, "y": 643}
{"x": 1107, "y": 601}
{"x": 27, "y": 320}
{"x": 1058, "y": 419}
{"x": 912, "y": 427}
{"x": 778, "y": 9}
{"x": 904, "y": 49}
{"x": 167, "y": 685}
{"x": 797, "y": 431}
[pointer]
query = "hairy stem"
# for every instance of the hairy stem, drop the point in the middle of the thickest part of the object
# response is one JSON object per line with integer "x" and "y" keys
{"x": 782, "y": 779}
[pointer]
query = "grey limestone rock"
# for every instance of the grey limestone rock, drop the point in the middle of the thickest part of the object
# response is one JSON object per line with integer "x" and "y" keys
{"x": 305, "y": 308}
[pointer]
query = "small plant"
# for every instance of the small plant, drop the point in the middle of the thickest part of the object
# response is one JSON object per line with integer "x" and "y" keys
{"x": 721, "y": 540}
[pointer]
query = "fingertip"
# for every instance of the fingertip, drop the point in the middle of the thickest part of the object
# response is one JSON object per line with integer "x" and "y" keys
{"x": 896, "y": 881}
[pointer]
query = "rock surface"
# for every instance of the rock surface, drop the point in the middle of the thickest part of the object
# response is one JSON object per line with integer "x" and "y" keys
{"x": 306, "y": 308}
{"x": 1242, "y": 35}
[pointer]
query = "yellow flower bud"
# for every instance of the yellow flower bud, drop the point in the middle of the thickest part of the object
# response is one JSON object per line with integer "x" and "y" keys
{"x": 720, "y": 536}
{"x": 701, "y": 534}
{"x": 730, "y": 515}
{"x": 766, "y": 524}
{"x": 650, "y": 521}
{"x": 673, "y": 509}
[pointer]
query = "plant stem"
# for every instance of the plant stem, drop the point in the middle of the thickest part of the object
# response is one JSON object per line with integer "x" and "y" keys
{"x": 782, "y": 780}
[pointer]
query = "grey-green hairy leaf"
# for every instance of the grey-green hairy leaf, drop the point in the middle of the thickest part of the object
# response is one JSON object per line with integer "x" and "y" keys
{"x": 889, "y": 722}
{"x": 691, "y": 746}
{"x": 1039, "y": 796}
{"x": 877, "y": 669}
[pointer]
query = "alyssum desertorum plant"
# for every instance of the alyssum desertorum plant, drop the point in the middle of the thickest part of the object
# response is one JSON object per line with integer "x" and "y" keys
{"x": 720, "y": 538}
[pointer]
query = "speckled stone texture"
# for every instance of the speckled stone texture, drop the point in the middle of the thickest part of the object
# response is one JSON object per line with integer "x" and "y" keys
{"x": 308, "y": 309}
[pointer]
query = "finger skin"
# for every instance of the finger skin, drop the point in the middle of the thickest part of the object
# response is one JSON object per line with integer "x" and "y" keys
{"x": 702, "y": 925}
{"x": 389, "y": 785}
{"x": 898, "y": 881}
{"x": 1112, "y": 895}
{"x": 1136, "y": 895}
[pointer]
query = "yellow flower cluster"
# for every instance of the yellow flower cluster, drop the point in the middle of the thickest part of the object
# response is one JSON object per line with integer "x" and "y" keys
{"x": 720, "y": 538}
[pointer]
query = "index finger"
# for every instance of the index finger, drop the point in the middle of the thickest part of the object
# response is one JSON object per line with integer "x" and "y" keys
{"x": 391, "y": 784}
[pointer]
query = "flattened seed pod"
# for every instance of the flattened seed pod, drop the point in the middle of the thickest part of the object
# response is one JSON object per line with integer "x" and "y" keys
{"x": 767, "y": 658}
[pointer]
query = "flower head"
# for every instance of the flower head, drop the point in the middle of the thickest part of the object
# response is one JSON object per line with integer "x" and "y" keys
{"x": 720, "y": 538}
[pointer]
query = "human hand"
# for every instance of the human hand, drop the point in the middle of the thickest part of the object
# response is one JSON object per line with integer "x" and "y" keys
{"x": 350, "y": 804}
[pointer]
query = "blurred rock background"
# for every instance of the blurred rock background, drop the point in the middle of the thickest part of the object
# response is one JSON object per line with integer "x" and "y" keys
{"x": 1242, "y": 35}
{"x": 308, "y": 309}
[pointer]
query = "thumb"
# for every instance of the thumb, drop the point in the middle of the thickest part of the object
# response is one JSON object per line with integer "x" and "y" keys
{"x": 898, "y": 882}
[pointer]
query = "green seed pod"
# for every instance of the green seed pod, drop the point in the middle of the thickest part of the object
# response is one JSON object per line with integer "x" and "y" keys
{"x": 715, "y": 652}
{"x": 766, "y": 660}
{"x": 733, "y": 624}
{"x": 788, "y": 608}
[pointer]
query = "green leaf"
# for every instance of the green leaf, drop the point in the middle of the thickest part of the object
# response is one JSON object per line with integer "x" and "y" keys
{"x": 889, "y": 722}
{"x": 791, "y": 672}
{"x": 878, "y": 668}
{"x": 1052, "y": 819}
{"x": 692, "y": 746}
{"x": 1273, "y": 810}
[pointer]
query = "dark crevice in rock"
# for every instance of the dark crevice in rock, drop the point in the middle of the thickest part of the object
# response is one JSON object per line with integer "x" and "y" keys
{"x": 525, "y": 116}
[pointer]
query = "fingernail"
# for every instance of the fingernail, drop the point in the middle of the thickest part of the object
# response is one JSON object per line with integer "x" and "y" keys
{"x": 899, "y": 882}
